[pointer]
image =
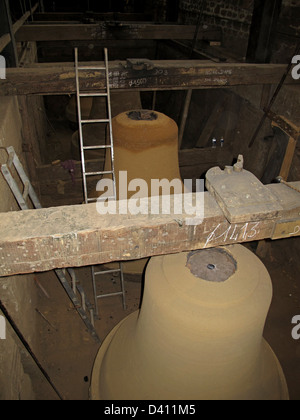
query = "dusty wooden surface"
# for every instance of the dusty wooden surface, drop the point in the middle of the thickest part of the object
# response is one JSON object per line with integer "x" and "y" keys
{"x": 59, "y": 78}
{"x": 72, "y": 236}
{"x": 241, "y": 196}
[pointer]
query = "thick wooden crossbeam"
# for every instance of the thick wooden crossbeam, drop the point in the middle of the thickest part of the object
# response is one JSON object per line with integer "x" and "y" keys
{"x": 78, "y": 16}
{"x": 6, "y": 38}
{"x": 112, "y": 30}
{"x": 59, "y": 78}
{"x": 46, "y": 239}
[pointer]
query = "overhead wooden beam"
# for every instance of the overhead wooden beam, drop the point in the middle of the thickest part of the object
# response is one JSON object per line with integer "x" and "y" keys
{"x": 93, "y": 16}
{"x": 112, "y": 30}
{"x": 6, "y": 38}
{"x": 72, "y": 236}
{"x": 59, "y": 78}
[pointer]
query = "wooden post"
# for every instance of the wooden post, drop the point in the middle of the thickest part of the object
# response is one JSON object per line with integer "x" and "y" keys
{"x": 264, "y": 22}
{"x": 6, "y": 29}
{"x": 288, "y": 158}
{"x": 184, "y": 116}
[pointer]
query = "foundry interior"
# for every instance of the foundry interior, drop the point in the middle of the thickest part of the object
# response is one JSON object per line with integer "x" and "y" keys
{"x": 149, "y": 306}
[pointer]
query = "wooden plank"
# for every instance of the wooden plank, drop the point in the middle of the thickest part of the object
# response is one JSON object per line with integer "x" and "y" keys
{"x": 288, "y": 158}
{"x": 59, "y": 78}
{"x": 93, "y": 16}
{"x": 293, "y": 132}
{"x": 241, "y": 195}
{"x": 6, "y": 38}
{"x": 112, "y": 30}
{"x": 72, "y": 236}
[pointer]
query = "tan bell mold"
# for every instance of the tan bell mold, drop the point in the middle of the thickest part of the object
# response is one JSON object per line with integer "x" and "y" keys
{"x": 146, "y": 146}
{"x": 198, "y": 334}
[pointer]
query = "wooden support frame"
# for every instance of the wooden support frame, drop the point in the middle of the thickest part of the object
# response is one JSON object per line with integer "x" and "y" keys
{"x": 293, "y": 133}
{"x": 73, "y": 236}
{"x": 112, "y": 30}
{"x": 59, "y": 78}
{"x": 95, "y": 16}
{"x": 6, "y": 38}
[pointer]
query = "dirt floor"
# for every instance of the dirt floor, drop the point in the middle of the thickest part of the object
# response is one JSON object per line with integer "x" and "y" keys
{"x": 67, "y": 350}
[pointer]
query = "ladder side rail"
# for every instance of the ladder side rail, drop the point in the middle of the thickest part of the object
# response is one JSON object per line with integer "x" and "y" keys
{"x": 24, "y": 178}
{"x": 80, "y": 126}
{"x": 13, "y": 187}
{"x": 112, "y": 153}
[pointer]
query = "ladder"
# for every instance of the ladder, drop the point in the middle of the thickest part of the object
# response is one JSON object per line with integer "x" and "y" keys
{"x": 67, "y": 278}
{"x": 86, "y": 174}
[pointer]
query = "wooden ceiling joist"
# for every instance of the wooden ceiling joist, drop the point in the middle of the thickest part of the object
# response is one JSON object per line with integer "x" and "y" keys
{"x": 59, "y": 78}
{"x": 92, "y": 16}
{"x": 112, "y": 30}
{"x": 6, "y": 38}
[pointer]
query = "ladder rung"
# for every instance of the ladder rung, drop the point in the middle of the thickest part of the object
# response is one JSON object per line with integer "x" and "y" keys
{"x": 91, "y": 68}
{"x": 96, "y": 147}
{"x": 99, "y": 173}
{"x": 110, "y": 294}
{"x": 107, "y": 272}
{"x": 112, "y": 197}
{"x": 92, "y": 94}
{"x": 94, "y": 121}
{"x": 91, "y": 200}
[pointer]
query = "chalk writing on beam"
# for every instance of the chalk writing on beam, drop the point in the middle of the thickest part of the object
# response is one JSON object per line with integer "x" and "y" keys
{"x": 233, "y": 233}
{"x": 296, "y": 231}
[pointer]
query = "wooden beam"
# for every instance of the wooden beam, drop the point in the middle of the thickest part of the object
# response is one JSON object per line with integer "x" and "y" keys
{"x": 262, "y": 31}
{"x": 59, "y": 78}
{"x": 112, "y": 30}
{"x": 293, "y": 133}
{"x": 6, "y": 38}
{"x": 288, "y": 158}
{"x": 73, "y": 236}
{"x": 93, "y": 16}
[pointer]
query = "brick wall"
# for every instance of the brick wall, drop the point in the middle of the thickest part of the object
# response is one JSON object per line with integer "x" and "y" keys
{"x": 232, "y": 16}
